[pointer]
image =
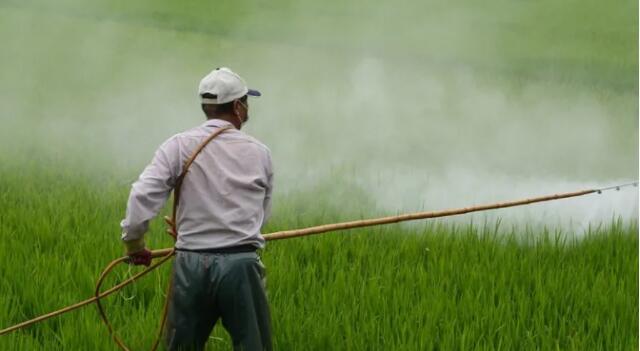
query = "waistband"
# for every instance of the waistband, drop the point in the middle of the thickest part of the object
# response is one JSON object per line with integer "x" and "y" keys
{"x": 224, "y": 250}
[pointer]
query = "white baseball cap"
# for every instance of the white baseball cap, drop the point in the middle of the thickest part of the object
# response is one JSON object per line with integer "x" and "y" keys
{"x": 225, "y": 86}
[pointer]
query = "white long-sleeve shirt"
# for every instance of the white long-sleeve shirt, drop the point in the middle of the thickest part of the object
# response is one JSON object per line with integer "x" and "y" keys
{"x": 225, "y": 197}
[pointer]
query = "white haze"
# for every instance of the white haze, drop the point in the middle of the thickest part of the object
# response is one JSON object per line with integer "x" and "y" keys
{"x": 414, "y": 133}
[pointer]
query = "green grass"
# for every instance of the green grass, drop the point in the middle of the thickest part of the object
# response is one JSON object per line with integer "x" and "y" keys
{"x": 89, "y": 89}
{"x": 431, "y": 287}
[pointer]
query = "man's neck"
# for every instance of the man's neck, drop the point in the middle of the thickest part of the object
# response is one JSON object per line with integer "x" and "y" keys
{"x": 231, "y": 119}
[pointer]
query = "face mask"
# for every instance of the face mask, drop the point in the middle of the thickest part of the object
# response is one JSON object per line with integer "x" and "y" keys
{"x": 246, "y": 109}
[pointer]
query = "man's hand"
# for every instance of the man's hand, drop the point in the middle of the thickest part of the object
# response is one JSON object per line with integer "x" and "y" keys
{"x": 170, "y": 230}
{"x": 142, "y": 257}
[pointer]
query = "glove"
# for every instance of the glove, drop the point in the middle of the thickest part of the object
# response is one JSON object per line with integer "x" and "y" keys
{"x": 142, "y": 257}
{"x": 137, "y": 252}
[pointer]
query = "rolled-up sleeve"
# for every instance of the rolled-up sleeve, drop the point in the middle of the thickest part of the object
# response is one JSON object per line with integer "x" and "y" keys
{"x": 149, "y": 194}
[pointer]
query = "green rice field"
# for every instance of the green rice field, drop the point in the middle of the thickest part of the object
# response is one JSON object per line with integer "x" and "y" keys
{"x": 365, "y": 105}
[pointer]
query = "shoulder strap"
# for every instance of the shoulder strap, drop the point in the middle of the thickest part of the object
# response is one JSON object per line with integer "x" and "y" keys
{"x": 176, "y": 190}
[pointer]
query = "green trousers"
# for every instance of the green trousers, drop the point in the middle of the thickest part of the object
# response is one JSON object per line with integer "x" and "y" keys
{"x": 207, "y": 287}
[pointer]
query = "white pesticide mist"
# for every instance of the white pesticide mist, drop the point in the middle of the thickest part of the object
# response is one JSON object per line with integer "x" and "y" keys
{"x": 418, "y": 114}
{"x": 437, "y": 141}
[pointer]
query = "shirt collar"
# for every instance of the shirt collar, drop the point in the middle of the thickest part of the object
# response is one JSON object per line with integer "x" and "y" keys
{"x": 215, "y": 122}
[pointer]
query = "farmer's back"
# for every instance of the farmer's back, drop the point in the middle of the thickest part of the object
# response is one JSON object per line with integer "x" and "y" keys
{"x": 225, "y": 198}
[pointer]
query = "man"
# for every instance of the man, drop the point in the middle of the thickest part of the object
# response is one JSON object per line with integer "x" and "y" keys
{"x": 225, "y": 199}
